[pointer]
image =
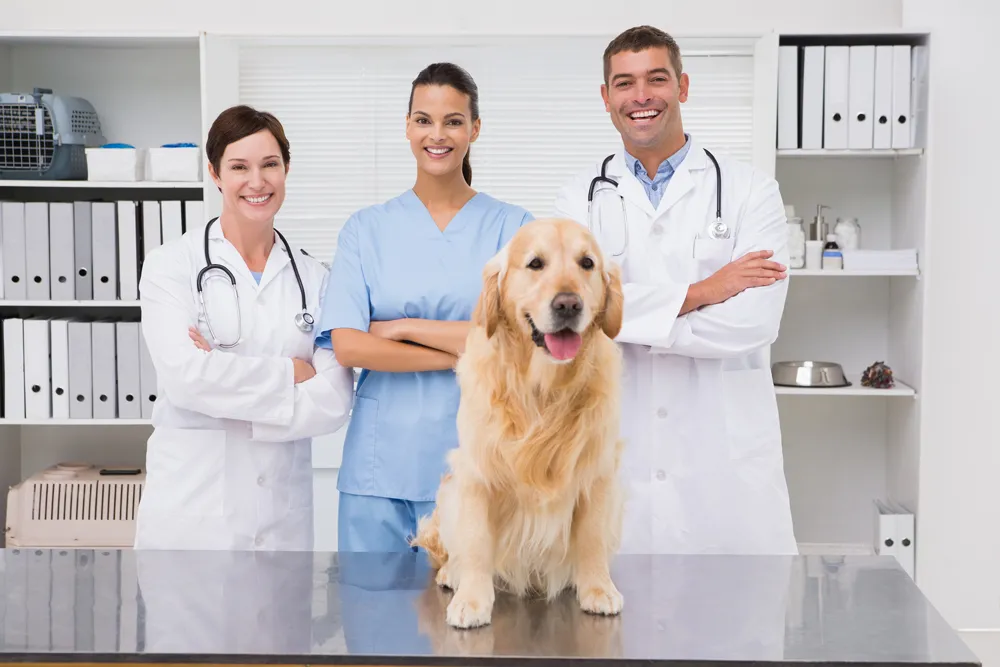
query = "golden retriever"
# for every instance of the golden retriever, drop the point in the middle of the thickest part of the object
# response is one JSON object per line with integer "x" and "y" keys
{"x": 532, "y": 502}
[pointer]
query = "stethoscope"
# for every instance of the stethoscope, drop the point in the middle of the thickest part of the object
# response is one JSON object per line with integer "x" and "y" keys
{"x": 303, "y": 319}
{"x": 717, "y": 229}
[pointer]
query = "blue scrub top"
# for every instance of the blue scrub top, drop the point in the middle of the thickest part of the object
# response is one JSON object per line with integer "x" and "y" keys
{"x": 392, "y": 262}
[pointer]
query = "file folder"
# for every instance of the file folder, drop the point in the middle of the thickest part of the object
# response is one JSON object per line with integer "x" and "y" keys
{"x": 788, "y": 97}
{"x": 105, "y": 394}
{"x": 129, "y": 386}
{"x": 882, "y": 109}
{"x": 835, "y": 97}
{"x": 36, "y": 243}
{"x": 59, "y": 336}
{"x": 813, "y": 67}
{"x": 13, "y": 368}
{"x": 80, "y": 375}
{"x": 147, "y": 379}
{"x": 171, "y": 220}
{"x": 37, "y": 373}
{"x": 83, "y": 250}
{"x": 194, "y": 216}
{"x": 128, "y": 252}
{"x": 105, "y": 251}
{"x": 894, "y": 534}
{"x": 14, "y": 254}
{"x": 901, "y": 125}
{"x": 151, "y": 234}
{"x": 861, "y": 96}
{"x": 61, "y": 248}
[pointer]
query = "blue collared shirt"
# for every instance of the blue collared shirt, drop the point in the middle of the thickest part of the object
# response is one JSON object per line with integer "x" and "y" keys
{"x": 654, "y": 187}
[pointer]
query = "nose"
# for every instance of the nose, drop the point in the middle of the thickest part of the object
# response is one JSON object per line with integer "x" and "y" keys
{"x": 566, "y": 306}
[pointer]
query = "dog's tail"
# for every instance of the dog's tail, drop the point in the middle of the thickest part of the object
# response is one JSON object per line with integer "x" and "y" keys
{"x": 428, "y": 538}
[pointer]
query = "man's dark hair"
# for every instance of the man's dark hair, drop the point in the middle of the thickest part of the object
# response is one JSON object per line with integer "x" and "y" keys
{"x": 641, "y": 38}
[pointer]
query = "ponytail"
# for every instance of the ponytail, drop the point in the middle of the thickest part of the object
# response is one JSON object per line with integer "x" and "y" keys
{"x": 467, "y": 167}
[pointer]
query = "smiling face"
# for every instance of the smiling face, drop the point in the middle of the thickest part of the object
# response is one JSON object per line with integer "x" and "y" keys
{"x": 440, "y": 128}
{"x": 551, "y": 286}
{"x": 643, "y": 94}
{"x": 251, "y": 176}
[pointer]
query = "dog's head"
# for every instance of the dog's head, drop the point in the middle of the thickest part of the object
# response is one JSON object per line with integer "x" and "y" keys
{"x": 551, "y": 284}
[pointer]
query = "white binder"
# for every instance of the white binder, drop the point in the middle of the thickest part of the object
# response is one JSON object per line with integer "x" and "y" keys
{"x": 102, "y": 334}
{"x": 835, "y": 97}
{"x": 882, "y": 107}
{"x": 13, "y": 368}
{"x": 128, "y": 252}
{"x": 861, "y": 96}
{"x": 812, "y": 96}
{"x": 171, "y": 220}
{"x": 129, "y": 387}
{"x": 147, "y": 379}
{"x": 81, "y": 381}
{"x": 788, "y": 97}
{"x": 901, "y": 125}
{"x": 194, "y": 216}
{"x": 14, "y": 254}
{"x": 894, "y": 534}
{"x": 37, "y": 373}
{"x": 62, "y": 265}
{"x": 152, "y": 236}
{"x": 59, "y": 337}
{"x": 36, "y": 243}
{"x": 83, "y": 250}
{"x": 104, "y": 251}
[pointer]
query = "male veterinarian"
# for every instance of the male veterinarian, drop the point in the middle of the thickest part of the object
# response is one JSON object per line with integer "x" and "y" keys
{"x": 704, "y": 296}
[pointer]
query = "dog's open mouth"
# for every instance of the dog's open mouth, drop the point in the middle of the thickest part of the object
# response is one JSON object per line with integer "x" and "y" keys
{"x": 562, "y": 345}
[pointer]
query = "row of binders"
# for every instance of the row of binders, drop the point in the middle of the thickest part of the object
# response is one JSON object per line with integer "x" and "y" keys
{"x": 85, "y": 251}
{"x": 76, "y": 369}
{"x": 894, "y": 533}
{"x": 847, "y": 97}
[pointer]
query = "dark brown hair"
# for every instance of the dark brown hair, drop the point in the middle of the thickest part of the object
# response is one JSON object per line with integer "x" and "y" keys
{"x": 237, "y": 123}
{"x": 448, "y": 74}
{"x": 639, "y": 39}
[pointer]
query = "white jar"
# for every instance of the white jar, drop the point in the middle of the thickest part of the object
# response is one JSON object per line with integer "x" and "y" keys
{"x": 796, "y": 244}
{"x": 848, "y": 233}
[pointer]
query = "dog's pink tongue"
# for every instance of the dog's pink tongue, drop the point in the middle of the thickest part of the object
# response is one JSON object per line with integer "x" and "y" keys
{"x": 563, "y": 345}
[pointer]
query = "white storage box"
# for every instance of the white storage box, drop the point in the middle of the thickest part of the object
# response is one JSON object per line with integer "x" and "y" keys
{"x": 180, "y": 163}
{"x": 74, "y": 505}
{"x": 116, "y": 164}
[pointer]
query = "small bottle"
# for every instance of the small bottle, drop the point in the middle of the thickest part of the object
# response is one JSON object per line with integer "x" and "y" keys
{"x": 832, "y": 257}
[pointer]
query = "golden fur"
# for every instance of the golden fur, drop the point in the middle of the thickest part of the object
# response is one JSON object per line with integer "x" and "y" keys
{"x": 532, "y": 502}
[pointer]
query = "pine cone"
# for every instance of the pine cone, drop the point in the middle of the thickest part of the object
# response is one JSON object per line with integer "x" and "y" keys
{"x": 878, "y": 376}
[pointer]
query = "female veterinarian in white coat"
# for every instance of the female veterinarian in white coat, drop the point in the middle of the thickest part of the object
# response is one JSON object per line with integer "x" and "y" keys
{"x": 242, "y": 388}
{"x": 703, "y": 454}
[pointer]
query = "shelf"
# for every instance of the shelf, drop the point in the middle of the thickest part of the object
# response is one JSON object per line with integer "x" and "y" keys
{"x": 104, "y": 185}
{"x": 852, "y": 274}
{"x": 826, "y": 152}
{"x": 12, "y": 303}
{"x": 75, "y": 422}
{"x": 901, "y": 389}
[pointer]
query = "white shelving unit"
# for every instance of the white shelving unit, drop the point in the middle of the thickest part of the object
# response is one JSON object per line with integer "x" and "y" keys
{"x": 843, "y": 446}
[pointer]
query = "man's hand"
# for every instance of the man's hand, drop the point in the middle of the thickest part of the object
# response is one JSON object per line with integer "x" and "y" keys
{"x": 303, "y": 370}
{"x": 753, "y": 269}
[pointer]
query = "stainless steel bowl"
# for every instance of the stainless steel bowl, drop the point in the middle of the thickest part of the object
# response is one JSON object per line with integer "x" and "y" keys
{"x": 808, "y": 374}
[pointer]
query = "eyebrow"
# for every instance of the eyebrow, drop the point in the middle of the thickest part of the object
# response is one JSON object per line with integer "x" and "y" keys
{"x": 658, "y": 70}
{"x": 239, "y": 159}
{"x": 448, "y": 115}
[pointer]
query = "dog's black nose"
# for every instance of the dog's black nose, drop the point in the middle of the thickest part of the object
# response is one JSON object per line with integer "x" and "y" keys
{"x": 566, "y": 305}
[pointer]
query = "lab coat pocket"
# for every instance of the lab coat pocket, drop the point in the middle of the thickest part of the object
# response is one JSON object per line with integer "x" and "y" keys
{"x": 710, "y": 255}
{"x": 190, "y": 468}
{"x": 751, "y": 409}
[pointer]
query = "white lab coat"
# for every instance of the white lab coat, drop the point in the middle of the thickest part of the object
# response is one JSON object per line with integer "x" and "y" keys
{"x": 703, "y": 459}
{"x": 229, "y": 463}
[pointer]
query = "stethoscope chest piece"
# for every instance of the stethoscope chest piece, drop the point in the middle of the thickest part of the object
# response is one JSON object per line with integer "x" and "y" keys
{"x": 304, "y": 321}
{"x": 718, "y": 230}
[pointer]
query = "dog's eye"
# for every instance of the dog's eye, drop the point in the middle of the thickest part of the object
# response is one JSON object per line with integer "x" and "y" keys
{"x": 587, "y": 263}
{"x": 536, "y": 264}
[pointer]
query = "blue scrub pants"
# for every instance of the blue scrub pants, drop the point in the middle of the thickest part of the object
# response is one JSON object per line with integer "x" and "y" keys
{"x": 371, "y": 523}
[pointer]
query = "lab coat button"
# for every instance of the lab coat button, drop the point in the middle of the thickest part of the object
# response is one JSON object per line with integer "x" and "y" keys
{"x": 660, "y": 475}
{"x": 657, "y": 228}
{"x": 662, "y": 412}
{"x": 260, "y": 481}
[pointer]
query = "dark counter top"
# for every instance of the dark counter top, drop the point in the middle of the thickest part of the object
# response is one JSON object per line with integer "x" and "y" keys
{"x": 323, "y": 608}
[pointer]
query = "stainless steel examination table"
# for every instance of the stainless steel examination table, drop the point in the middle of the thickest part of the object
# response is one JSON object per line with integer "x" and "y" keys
{"x": 107, "y": 606}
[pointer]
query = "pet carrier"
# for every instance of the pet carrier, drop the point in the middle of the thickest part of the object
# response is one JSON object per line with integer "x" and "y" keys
{"x": 44, "y": 136}
{"x": 75, "y": 505}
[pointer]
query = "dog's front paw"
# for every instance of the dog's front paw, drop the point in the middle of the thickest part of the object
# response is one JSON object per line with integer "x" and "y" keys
{"x": 444, "y": 577}
{"x": 600, "y": 599}
{"x": 471, "y": 607}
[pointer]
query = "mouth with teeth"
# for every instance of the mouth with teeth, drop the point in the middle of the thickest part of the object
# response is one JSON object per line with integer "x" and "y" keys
{"x": 438, "y": 152}
{"x": 258, "y": 200}
{"x": 562, "y": 345}
{"x": 643, "y": 116}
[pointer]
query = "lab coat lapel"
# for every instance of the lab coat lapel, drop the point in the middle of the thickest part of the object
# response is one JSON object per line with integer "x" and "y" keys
{"x": 629, "y": 186}
{"x": 276, "y": 262}
{"x": 682, "y": 181}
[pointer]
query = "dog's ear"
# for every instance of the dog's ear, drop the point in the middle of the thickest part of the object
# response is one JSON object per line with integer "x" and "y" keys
{"x": 614, "y": 302}
{"x": 487, "y": 312}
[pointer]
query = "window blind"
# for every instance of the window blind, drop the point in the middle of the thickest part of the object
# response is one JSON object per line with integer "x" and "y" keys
{"x": 343, "y": 106}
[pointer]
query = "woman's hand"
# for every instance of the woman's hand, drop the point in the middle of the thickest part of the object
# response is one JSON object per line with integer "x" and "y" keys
{"x": 388, "y": 330}
{"x": 199, "y": 340}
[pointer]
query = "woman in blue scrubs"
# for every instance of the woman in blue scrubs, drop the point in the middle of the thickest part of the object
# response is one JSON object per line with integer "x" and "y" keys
{"x": 404, "y": 283}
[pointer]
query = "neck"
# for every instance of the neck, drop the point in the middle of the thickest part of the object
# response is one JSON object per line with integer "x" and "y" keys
{"x": 448, "y": 191}
{"x": 652, "y": 157}
{"x": 253, "y": 240}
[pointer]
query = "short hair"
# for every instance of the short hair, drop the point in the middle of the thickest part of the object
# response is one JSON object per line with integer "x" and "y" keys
{"x": 641, "y": 38}
{"x": 237, "y": 123}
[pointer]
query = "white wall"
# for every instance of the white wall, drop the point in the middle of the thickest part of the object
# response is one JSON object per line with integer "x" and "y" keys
{"x": 959, "y": 494}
